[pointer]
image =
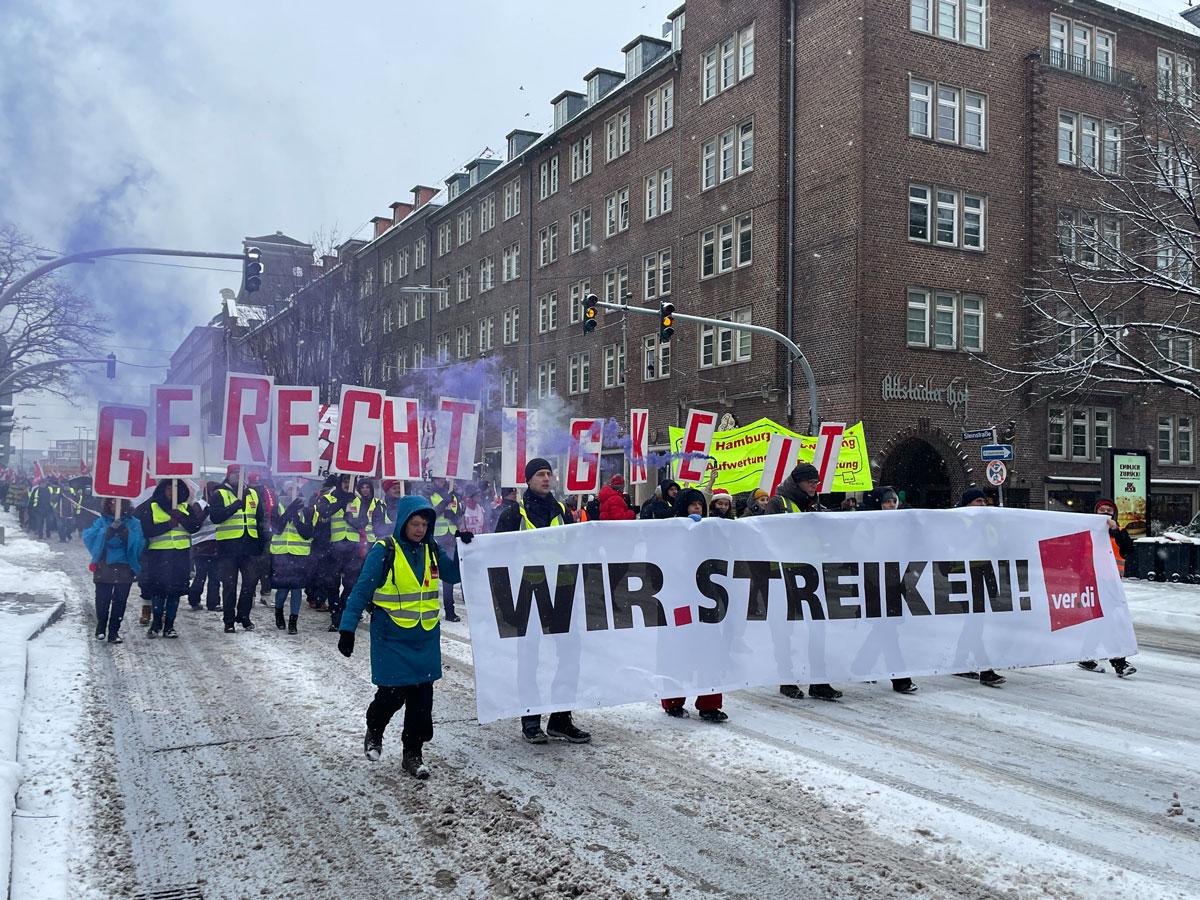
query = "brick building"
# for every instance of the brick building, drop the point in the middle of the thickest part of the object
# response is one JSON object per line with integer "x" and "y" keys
{"x": 924, "y": 188}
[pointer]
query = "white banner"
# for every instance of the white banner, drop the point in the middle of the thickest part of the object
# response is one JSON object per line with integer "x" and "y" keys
{"x": 617, "y": 612}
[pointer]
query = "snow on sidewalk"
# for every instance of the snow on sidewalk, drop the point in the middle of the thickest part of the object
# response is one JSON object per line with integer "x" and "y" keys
{"x": 1156, "y": 604}
{"x": 32, "y": 594}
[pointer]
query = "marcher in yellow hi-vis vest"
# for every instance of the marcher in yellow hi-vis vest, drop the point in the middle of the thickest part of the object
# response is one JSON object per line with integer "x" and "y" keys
{"x": 366, "y": 514}
{"x": 400, "y": 580}
{"x": 340, "y": 563}
{"x": 291, "y": 557}
{"x": 168, "y": 521}
{"x": 797, "y": 494}
{"x": 240, "y": 518}
{"x": 538, "y": 508}
{"x": 447, "y": 505}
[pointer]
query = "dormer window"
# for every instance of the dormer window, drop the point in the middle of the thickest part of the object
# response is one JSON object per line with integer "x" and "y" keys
{"x": 633, "y": 62}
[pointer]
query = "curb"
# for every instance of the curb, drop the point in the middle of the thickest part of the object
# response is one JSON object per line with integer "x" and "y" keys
{"x": 55, "y": 614}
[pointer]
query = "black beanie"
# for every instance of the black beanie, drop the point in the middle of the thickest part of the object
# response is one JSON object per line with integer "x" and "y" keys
{"x": 970, "y": 496}
{"x": 805, "y": 472}
{"x": 536, "y": 465}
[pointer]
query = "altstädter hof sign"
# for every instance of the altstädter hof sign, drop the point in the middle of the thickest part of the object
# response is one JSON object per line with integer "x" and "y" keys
{"x": 918, "y": 390}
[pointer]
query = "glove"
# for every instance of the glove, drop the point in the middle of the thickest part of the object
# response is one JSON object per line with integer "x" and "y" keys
{"x": 346, "y": 643}
{"x": 91, "y": 567}
{"x": 176, "y": 516}
{"x": 465, "y": 536}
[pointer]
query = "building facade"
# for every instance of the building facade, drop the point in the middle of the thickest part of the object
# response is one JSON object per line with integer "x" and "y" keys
{"x": 884, "y": 197}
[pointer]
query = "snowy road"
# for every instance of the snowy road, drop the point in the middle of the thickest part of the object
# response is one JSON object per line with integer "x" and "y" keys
{"x": 238, "y": 773}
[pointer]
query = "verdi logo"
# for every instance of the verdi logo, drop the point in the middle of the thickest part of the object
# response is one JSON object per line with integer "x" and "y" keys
{"x": 1070, "y": 580}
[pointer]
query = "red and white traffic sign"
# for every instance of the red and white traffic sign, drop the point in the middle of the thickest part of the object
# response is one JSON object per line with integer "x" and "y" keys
{"x": 997, "y": 472}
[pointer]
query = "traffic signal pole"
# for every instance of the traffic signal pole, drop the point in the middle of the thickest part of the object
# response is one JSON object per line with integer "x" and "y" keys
{"x": 814, "y": 418}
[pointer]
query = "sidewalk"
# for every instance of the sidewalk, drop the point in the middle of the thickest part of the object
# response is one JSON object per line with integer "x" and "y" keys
{"x": 32, "y": 597}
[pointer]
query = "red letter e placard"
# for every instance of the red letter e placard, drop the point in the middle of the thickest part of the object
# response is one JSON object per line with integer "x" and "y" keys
{"x": 697, "y": 438}
{"x": 175, "y": 418}
{"x": 294, "y": 445}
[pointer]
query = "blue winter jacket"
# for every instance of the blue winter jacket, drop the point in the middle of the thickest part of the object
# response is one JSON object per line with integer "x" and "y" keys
{"x": 400, "y": 656}
{"x": 127, "y": 549}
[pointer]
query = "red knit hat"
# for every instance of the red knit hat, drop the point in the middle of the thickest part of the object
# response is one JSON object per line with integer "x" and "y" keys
{"x": 617, "y": 481}
{"x": 719, "y": 493}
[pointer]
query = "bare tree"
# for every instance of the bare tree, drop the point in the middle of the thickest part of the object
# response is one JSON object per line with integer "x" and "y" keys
{"x": 1116, "y": 306}
{"x": 44, "y": 321}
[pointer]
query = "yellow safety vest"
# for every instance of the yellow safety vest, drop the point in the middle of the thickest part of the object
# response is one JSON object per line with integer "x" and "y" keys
{"x": 339, "y": 529}
{"x": 353, "y": 508}
{"x": 244, "y": 521}
{"x": 443, "y": 526}
{"x": 174, "y": 539}
{"x": 404, "y": 598}
{"x": 289, "y": 540}
{"x": 789, "y": 505}
{"x": 527, "y": 525}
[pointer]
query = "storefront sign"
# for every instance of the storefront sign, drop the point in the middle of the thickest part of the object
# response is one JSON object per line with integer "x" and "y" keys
{"x": 916, "y": 390}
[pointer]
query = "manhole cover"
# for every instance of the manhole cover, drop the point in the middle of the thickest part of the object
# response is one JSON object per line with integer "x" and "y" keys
{"x": 171, "y": 892}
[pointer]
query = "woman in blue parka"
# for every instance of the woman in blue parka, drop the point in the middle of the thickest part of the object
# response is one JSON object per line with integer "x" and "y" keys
{"x": 116, "y": 545}
{"x": 400, "y": 580}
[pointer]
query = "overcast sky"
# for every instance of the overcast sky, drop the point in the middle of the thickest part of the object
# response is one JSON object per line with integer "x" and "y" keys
{"x": 192, "y": 125}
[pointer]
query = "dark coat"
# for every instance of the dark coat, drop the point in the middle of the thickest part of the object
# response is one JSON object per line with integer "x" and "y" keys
{"x": 789, "y": 489}
{"x": 400, "y": 656}
{"x": 658, "y": 506}
{"x": 540, "y": 509}
{"x": 218, "y": 512}
{"x": 686, "y": 498}
{"x": 167, "y": 572}
{"x": 289, "y": 571}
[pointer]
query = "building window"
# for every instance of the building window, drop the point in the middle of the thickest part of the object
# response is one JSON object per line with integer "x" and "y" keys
{"x": 547, "y": 312}
{"x": 581, "y": 229}
{"x": 487, "y": 333}
{"x": 547, "y": 377}
{"x": 579, "y": 377}
{"x": 512, "y": 199}
{"x": 387, "y": 319}
{"x": 548, "y": 178}
{"x": 444, "y": 235}
{"x": 944, "y": 320}
{"x": 1090, "y": 239}
{"x": 487, "y": 273}
{"x": 660, "y": 110}
{"x": 462, "y": 341}
{"x": 510, "y": 263}
{"x": 614, "y": 365}
{"x": 581, "y": 158}
{"x": 463, "y": 284}
{"x": 1088, "y": 142}
{"x": 402, "y": 313}
{"x": 1081, "y": 49}
{"x": 656, "y": 274}
{"x": 658, "y": 192}
{"x": 511, "y": 325}
{"x": 726, "y": 156}
{"x": 963, "y": 21}
{"x": 443, "y": 294}
{"x": 1173, "y": 263}
{"x": 578, "y": 291}
{"x": 726, "y": 246}
{"x": 616, "y": 284}
{"x": 547, "y": 245}
{"x": 959, "y": 219}
{"x": 1079, "y": 433}
{"x": 1175, "y": 440}
{"x": 726, "y": 64}
{"x": 464, "y": 227}
{"x": 418, "y": 356}
{"x": 403, "y": 259}
{"x": 656, "y": 359}
{"x": 1175, "y": 77}
{"x": 616, "y": 212}
{"x": 509, "y": 382}
{"x": 419, "y": 307}
{"x": 443, "y": 347}
{"x": 725, "y": 346}
{"x": 487, "y": 213}
{"x": 420, "y": 253}
{"x": 616, "y": 135}
{"x": 960, "y": 116}
{"x": 387, "y": 270}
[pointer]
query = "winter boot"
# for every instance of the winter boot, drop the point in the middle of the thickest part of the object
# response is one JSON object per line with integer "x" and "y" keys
{"x": 170, "y": 633}
{"x": 824, "y": 692}
{"x": 991, "y": 679}
{"x": 279, "y": 618}
{"x": 247, "y": 625}
{"x": 713, "y": 715}
{"x": 145, "y": 619}
{"x": 292, "y": 624}
{"x": 414, "y": 765}
{"x": 903, "y": 686}
{"x": 533, "y": 734}
{"x": 1089, "y": 664}
{"x": 677, "y": 712}
{"x": 229, "y": 629}
{"x": 373, "y": 745}
{"x": 791, "y": 691}
{"x": 1122, "y": 668}
{"x": 565, "y": 730}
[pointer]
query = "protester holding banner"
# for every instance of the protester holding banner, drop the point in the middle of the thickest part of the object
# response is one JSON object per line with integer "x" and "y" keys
{"x": 366, "y": 514}
{"x": 662, "y": 504}
{"x": 68, "y": 502}
{"x": 538, "y": 508}
{"x": 446, "y": 504}
{"x": 988, "y": 677}
{"x": 168, "y": 522}
{"x": 237, "y": 511}
{"x": 291, "y": 557}
{"x": 115, "y": 542}
{"x": 1123, "y": 549}
{"x": 340, "y": 564}
{"x": 43, "y": 503}
{"x": 756, "y": 503}
{"x": 690, "y": 503}
{"x": 400, "y": 580}
{"x": 796, "y": 494}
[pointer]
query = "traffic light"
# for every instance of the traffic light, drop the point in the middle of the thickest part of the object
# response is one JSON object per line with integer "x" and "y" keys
{"x": 666, "y": 322}
{"x": 589, "y": 313}
{"x": 252, "y": 270}
{"x": 110, "y": 366}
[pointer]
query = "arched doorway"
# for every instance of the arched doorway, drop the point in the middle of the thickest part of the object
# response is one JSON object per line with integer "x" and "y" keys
{"x": 918, "y": 470}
